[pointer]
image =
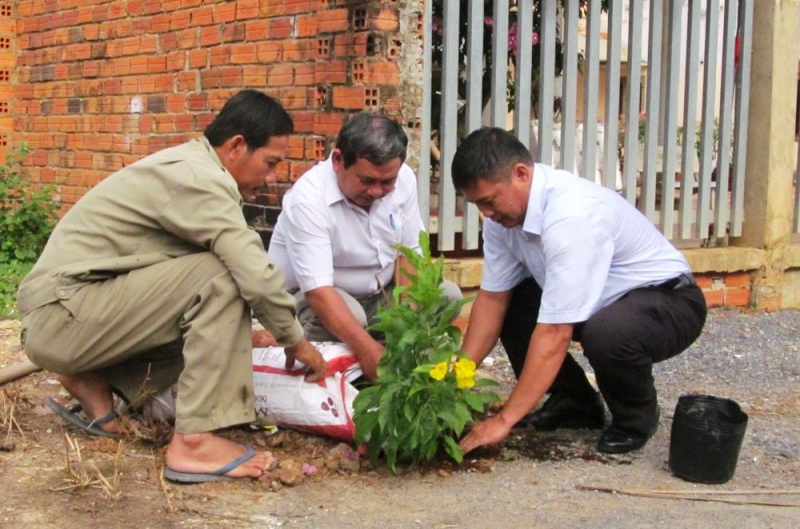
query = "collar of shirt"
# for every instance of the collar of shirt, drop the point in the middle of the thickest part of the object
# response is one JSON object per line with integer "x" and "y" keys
{"x": 213, "y": 155}
{"x": 535, "y": 213}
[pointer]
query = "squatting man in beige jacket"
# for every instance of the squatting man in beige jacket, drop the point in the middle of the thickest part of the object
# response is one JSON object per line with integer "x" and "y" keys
{"x": 153, "y": 277}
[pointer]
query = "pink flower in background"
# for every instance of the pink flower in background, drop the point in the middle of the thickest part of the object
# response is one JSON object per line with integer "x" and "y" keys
{"x": 512, "y": 38}
{"x": 436, "y": 26}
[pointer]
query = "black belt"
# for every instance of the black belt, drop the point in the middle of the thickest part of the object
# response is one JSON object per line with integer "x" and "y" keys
{"x": 683, "y": 280}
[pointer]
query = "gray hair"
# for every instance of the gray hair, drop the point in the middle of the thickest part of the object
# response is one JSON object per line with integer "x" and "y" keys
{"x": 374, "y": 137}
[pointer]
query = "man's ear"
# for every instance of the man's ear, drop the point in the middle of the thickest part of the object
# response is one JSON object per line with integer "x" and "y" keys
{"x": 233, "y": 148}
{"x": 337, "y": 160}
{"x": 522, "y": 173}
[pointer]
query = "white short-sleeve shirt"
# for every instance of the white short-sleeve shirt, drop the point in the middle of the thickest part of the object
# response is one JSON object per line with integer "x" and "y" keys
{"x": 323, "y": 239}
{"x": 584, "y": 244}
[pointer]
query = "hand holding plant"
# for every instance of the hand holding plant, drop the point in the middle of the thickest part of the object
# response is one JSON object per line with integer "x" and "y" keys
{"x": 422, "y": 398}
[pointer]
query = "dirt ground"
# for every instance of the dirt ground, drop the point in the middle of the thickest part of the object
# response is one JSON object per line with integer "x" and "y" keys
{"x": 54, "y": 477}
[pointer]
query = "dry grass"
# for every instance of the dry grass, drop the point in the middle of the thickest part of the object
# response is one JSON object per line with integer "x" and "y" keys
{"x": 9, "y": 402}
{"x": 82, "y": 475}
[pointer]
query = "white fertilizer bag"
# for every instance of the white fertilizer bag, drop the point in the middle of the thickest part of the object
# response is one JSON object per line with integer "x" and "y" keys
{"x": 285, "y": 399}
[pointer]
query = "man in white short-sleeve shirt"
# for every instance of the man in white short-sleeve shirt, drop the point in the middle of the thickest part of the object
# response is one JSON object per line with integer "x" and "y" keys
{"x": 335, "y": 233}
{"x": 566, "y": 259}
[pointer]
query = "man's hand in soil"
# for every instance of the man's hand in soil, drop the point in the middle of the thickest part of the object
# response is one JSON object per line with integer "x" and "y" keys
{"x": 485, "y": 432}
{"x": 308, "y": 354}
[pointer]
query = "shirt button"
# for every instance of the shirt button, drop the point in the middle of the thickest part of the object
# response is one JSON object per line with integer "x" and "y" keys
{"x": 62, "y": 293}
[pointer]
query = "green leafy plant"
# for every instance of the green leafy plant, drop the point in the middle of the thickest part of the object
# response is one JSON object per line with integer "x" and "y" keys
{"x": 422, "y": 399}
{"x": 27, "y": 217}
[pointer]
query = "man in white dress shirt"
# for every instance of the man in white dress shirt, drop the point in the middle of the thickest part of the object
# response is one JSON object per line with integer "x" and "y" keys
{"x": 566, "y": 259}
{"x": 335, "y": 233}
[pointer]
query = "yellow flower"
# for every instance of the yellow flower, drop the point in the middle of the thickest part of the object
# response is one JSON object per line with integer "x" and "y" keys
{"x": 465, "y": 373}
{"x": 439, "y": 371}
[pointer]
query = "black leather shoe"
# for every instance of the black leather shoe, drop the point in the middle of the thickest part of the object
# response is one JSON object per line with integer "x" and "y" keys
{"x": 560, "y": 410}
{"x": 618, "y": 441}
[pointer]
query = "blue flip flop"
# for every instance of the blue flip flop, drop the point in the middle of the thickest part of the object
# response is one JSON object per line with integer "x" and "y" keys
{"x": 75, "y": 417}
{"x": 217, "y": 475}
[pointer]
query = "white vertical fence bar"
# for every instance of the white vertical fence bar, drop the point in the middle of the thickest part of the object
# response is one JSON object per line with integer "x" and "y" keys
{"x": 611, "y": 128}
{"x": 591, "y": 77}
{"x": 689, "y": 119}
{"x": 424, "y": 172}
{"x": 474, "y": 108}
{"x": 633, "y": 100}
{"x": 671, "y": 99}
{"x": 721, "y": 212}
{"x": 714, "y": 202}
{"x": 547, "y": 73}
{"x": 499, "y": 63}
{"x": 448, "y": 125}
{"x": 742, "y": 116}
{"x": 704, "y": 190}
{"x": 648, "y": 195}
{"x": 569, "y": 85}
{"x": 524, "y": 72}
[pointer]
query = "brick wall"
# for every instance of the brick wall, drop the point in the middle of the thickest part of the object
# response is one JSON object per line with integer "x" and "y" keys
{"x": 102, "y": 83}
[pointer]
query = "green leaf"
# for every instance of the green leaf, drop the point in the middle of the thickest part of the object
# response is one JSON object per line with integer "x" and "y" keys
{"x": 452, "y": 449}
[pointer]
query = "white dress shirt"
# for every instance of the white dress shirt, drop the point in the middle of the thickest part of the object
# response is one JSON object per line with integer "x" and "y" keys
{"x": 323, "y": 239}
{"x": 584, "y": 244}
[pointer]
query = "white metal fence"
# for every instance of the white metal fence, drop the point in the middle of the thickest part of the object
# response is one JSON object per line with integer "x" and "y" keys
{"x": 665, "y": 82}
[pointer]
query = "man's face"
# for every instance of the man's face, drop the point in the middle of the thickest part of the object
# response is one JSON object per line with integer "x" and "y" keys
{"x": 506, "y": 201}
{"x": 363, "y": 182}
{"x": 253, "y": 169}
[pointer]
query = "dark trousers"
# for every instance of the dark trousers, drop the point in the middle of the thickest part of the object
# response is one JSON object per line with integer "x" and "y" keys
{"x": 621, "y": 341}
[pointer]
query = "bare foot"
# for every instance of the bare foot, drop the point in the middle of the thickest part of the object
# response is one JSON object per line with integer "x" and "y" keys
{"x": 95, "y": 397}
{"x": 207, "y": 452}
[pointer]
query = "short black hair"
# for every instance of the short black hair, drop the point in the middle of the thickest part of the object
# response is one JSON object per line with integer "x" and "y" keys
{"x": 374, "y": 137}
{"x": 254, "y": 115}
{"x": 485, "y": 155}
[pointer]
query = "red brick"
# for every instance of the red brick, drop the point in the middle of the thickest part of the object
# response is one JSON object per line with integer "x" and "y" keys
{"x": 296, "y": 6}
{"x": 225, "y": 12}
{"x": 294, "y": 98}
{"x": 383, "y": 20}
{"x": 296, "y": 50}
{"x": 280, "y": 75}
{"x": 210, "y": 36}
{"x": 189, "y": 38}
{"x": 349, "y": 97}
{"x": 202, "y": 16}
{"x": 280, "y": 28}
{"x": 334, "y": 72}
{"x": 175, "y": 61}
{"x": 305, "y": 26}
{"x": 304, "y": 74}
{"x": 303, "y": 121}
{"x": 256, "y": 30}
{"x": 737, "y": 297}
{"x": 704, "y": 280}
{"x": 714, "y": 298}
{"x": 738, "y": 280}
{"x": 328, "y": 123}
{"x": 298, "y": 169}
{"x": 269, "y": 52}
{"x": 243, "y": 53}
{"x": 255, "y": 76}
{"x": 247, "y": 9}
{"x": 198, "y": 58}
{"x": 332, "y": 20}
{"x": 350, "y": 45}
{"x": 180, "y": 20}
